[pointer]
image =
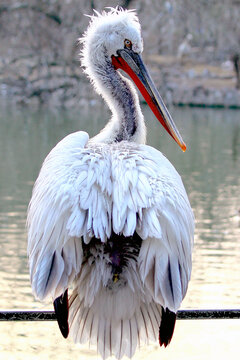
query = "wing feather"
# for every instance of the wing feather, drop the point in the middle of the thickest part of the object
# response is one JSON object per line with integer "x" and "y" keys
{"x": 167, "y": 228}
{"x": 52, "y": 250}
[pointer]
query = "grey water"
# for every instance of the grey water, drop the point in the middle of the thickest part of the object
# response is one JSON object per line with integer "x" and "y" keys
{"x": 210, "y": 169}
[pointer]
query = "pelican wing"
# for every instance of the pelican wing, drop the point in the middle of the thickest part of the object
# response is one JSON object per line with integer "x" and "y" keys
{"x": 55, "y": 256}
{"x": 167, "y": 227}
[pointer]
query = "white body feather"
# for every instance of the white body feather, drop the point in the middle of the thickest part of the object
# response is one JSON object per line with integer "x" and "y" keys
{"x": 87, "y": 190}
{"x": 94, "y": 188}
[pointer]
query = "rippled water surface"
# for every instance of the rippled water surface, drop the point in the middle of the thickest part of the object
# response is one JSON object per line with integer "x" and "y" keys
{"x": 210, "y": 169}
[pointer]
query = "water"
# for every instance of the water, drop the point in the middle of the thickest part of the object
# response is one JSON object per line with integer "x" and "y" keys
{"x": 211, "y": 172}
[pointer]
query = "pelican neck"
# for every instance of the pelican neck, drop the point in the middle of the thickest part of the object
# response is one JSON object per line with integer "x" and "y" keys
{"x": 127, "y": 122}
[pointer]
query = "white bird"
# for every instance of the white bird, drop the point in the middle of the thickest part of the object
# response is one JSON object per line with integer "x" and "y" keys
{"x": 110, "y": 215}
{"x": 185, "y": 47}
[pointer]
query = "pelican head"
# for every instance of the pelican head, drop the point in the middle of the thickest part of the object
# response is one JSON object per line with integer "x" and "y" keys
{"x": 106, "y": 34}
{"x": 113, "y": 41}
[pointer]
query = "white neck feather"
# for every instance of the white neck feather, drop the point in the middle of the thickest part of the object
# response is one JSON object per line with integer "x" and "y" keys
{"x": 127, "y": 122}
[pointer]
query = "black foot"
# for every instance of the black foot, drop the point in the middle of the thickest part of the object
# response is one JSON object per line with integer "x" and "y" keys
{"x": 166, "y": 327}
{"x": 61, "y": 310}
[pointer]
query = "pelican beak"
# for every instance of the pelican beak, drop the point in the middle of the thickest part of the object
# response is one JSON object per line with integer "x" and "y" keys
{"x": 132, "y": 64}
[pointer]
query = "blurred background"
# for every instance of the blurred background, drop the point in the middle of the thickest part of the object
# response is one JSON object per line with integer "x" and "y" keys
{"x": 194, "y": 43}
{"x": 192, "y": 51}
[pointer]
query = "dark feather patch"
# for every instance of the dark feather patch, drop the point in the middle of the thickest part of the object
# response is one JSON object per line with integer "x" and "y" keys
{"x": 119, "y": 250}
{"x": 50, "y": 270}
{"x": 170, "y": 278}
{"x": 166, "y": 327}
{"x": 61, "y": 310}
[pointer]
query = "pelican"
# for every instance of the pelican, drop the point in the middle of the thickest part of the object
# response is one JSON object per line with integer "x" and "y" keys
{"x": 109, "y": 216}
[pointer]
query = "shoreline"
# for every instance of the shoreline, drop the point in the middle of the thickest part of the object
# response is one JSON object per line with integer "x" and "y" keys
{"x": 184, "y": 82}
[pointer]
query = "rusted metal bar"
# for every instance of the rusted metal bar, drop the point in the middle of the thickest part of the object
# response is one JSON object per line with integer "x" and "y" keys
{"x": 48, "y": 315}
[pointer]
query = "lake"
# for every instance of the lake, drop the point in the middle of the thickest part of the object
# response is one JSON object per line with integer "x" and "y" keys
{"x": 210, "y": 169}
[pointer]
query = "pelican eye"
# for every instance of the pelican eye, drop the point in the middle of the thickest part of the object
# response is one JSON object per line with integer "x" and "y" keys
{"x": 127, "y": 44}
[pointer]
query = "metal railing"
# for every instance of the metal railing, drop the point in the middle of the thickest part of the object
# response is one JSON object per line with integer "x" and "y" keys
{"x": 48, "y": 315}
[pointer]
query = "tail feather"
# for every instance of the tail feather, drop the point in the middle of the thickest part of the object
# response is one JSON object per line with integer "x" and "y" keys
{"x": 116, "y": 336}
{"x": 143, "y": 326}
{"x": 83, "y": 335}
{"x": 133, "y": 336}
{"x": 107, "y": 339}
{"x": 153, "y": 322}
{"x": 113, "y": 336}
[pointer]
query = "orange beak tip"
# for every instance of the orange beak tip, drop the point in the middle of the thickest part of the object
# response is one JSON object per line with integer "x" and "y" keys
{"x": 183, "y": 147}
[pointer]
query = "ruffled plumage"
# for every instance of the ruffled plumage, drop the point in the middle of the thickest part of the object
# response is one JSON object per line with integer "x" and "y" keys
{"x": 85, "y": 191}
{"x": 111, "y": 218}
